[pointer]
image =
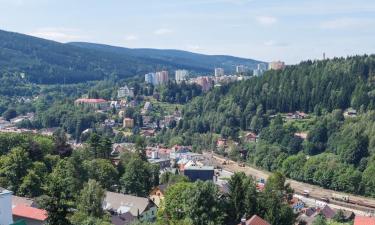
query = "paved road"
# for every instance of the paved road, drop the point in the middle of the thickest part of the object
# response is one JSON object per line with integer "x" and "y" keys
{"x": 316, "y": 192}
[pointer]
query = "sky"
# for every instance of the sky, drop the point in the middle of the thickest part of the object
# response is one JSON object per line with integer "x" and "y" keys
{"x": 267, "y": 30}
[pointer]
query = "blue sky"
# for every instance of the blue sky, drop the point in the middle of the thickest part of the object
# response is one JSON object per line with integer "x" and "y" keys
{"x": 289, "y": 30}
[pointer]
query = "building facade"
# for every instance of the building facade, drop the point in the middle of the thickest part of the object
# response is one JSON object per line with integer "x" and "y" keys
{"x": 276, "y": 65}
{"x": 92, "y": 103}
{"x": 219, "y": 72}
{"x": 128, "y": 123}
{"x": 181, "y": 75}
{"x": 240, "y": 69}
{"x": 260, "y": 70}
{"x": 125, "y": 91}
{"x": 162, "y": 77}
{"x": 203, "y": 173}
{"x": 149, "y": 78}
{"x": 5, "y": 207}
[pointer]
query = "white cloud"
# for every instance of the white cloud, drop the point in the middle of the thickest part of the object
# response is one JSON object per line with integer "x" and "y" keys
{"x": 273, "y": 43}
{"x": 163, "y": 31}
{"x": 131, "y": 37}
{"x": 266, "y": 20}
{"x": 57, "y": 34}
{"x": 345, "y": 23}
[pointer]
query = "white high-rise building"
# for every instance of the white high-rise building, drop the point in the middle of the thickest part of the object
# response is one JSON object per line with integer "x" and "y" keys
{"x": 6, "y": 216}
{"x": 260, "y": 70}
{"x": 240, "y": 69}
{"x": 219, "y": 72}
{"x": 181, "y": 75}
{"x": 149, "y": 78}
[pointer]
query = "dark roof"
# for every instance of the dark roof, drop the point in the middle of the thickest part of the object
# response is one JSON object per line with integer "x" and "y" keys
{"x": 163, "y": 187}
{"x": 310, "y": 211}
{"x": 122, "y": 219}
{"x": 328, "y": 212}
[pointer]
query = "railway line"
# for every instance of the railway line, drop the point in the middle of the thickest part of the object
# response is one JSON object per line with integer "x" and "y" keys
{"x": 358, "y": 203}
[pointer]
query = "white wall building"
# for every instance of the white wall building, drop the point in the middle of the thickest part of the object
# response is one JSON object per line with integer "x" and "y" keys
{"x": 181, "y": 75}
{"x": 240, "y": 69}
{"x": 6, "y": 216}
{"x": 260, "y": 70}
{"x": 149, "y": 78}
{"x": 219, "y": 72}
{"x": 124, "y": 92}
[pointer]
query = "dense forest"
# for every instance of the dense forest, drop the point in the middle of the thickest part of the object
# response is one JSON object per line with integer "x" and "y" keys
{"x": 338, "y": 152}
{"x": 309, "y": 87}
{"x": 45, "y": 62}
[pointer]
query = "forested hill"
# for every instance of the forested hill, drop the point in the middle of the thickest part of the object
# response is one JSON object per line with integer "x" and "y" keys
{"x": 310, "y": 86}
{"x": 183, "y": 59}
{"x": 44, "y": 61}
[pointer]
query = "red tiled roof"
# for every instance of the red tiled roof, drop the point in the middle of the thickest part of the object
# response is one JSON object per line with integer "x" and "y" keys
{"x": 363, "y": 220}
{"x": 30, "y": 212}
{"x": 256, "y": 220}
{"x": 90, "y": 100}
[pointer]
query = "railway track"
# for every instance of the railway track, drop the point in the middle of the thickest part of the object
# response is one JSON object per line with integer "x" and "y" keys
{"x": 358, "y": 203}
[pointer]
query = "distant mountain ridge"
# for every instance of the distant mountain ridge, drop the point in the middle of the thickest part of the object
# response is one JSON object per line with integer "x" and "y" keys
{"x": 46, "y": 62}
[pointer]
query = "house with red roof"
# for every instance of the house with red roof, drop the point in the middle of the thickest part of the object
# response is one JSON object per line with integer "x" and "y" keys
{"x": 364, "y": 220}
{"x": 254, "y": 220}
{"x": 32, "y": 216}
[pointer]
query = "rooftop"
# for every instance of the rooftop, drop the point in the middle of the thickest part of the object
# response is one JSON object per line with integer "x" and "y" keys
{"x": 200, "y": 168}
{"x": 122, "y": 203}
{"x": 30, "y": 213}
{"x": 256, "y": 220}
{"x": 363, "y": 220}
{"x": 90, "y": 100}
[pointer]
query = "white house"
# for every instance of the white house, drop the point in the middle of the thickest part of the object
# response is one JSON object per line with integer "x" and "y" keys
{"x": 5, "y": 207}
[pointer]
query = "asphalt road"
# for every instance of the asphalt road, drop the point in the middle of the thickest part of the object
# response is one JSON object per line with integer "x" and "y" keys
{"x": 315, "y": 192}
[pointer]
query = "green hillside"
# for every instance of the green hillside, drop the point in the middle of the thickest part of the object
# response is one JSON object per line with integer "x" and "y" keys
{"x": 44, "y": 61}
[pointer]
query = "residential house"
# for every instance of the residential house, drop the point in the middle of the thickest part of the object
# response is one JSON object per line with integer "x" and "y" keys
{"x": 161, "y": 151}
{"x": 5, "y": 207}
{"x": 254, "y": 220}
{"x": 302, "y": 135}
{"x": 328, "y": 212}
{"x": 127, "y": 208}
{"x": 350, "y": 113}
{"x": 128, "y": 123}
{"x": 297, "y": 205}
{"x": 222, "y": 143}
{"x": 148, "y": 133}
{"x": 146, "y": 108}
{"x": 163, "y": 163}
{"x": 31, "y": 215}
{"x": 115, "y": 104}
{"x": 157, "y": 194}
{"x": 250, "y": 137}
